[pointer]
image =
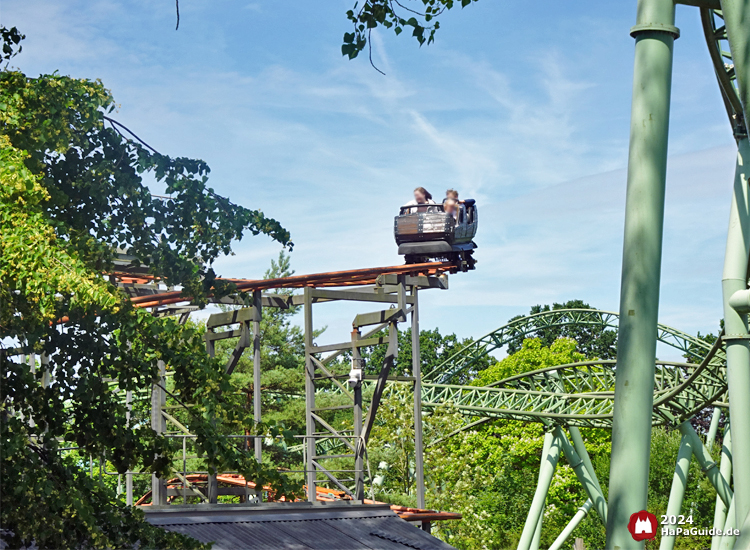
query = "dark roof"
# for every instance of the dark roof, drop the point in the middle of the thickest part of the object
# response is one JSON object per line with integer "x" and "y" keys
{"x": 295, "y": 526}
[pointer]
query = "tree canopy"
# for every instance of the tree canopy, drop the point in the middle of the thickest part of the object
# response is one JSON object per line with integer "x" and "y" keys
{"x": 388, "y": 14}
{"x": 592, "y": 342}
{"x": 74, "y": 193}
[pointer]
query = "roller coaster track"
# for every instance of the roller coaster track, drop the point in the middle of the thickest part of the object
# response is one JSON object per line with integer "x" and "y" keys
{"x": 577, "y": 394}
{"x": 715, "y": 33}
{"x": 526, "y": 327}
{"x": 330, "y": 279}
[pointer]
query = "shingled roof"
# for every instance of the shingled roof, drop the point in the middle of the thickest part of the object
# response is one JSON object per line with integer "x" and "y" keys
{"x": 295, "y": 526}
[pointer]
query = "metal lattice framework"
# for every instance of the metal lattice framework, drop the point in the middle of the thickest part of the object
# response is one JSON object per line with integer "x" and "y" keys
{"x": 715, "y": 32}
{"x": 526, "y": 327}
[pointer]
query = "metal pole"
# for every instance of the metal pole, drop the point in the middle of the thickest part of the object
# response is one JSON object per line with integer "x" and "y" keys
{"x": 570, "y": 527}
{"x": 734, "y": 280}
{"x": 128, "y": 474}
{"x": 585, "y": 477}
{"x": 720, "y": 483}
{"x": 720, "y": 510}
{"x": 736, "y": 14}
{"x": 159, "y": 425}
{"x": 580, "y": 447}
{"x": 257, "y": 316}
{"x": 416, "y": 369}
{"x": 713, "y": 427}
{"x": 212, "y": 482}
{"x": 550, "y": 457}
{"x": 727, "y": 541}
{"x": 679, "y": 484}
{"x": 538, "y": 531}
{"x": 654, "y": 35}
{"x": 743, "y": 540}
{"x": 359, "y": 467}
{"x": 309, "y": 397}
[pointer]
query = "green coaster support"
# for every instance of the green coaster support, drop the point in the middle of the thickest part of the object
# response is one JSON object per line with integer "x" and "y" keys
{"x": 550, "y": 457}
{"x": 679, "y": 484}
{"x": 654, "y": 35}
{"x": 736, "y": 14}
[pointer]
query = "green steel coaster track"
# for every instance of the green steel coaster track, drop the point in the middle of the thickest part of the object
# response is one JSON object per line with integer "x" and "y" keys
{"x": 577, "y": 394}
{"x": 526, "y": 327}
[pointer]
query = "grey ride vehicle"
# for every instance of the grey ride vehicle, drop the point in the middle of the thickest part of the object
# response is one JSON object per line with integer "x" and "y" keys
{"x": 426, "y": 232}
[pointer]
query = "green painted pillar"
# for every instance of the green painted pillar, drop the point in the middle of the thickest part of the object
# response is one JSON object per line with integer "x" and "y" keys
{"x": 713, "y": 427}
{"x": 571, "y": 526}
{"x": 736, "y": 15}
{"x": 586, "y": 477}
{"x": 727, "y": 541}
{"x": 734, "y": 285}
{"x": 720, "y": 510}
{"x": 706, "y": 461}
{"x": 654, "y": 35}
{"x": 679, "y": 484}
{"x": 550, "y": 457}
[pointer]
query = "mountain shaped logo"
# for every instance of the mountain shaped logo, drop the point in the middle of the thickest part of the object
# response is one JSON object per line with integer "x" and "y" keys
{"x": 642, "y": 525}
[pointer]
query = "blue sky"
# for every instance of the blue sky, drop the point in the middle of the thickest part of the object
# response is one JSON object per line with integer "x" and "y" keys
{"x": 523, "y": 106}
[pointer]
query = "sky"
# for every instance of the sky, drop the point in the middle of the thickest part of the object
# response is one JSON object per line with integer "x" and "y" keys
{"x": 523, "y": 106}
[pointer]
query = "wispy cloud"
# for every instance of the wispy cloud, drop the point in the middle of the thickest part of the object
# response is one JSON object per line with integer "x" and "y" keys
{"x": 535, "y": 129}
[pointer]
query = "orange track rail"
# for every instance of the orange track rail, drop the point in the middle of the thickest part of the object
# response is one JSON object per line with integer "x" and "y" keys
{"x": 323, "y": 494}
{"x": 333, "y": 278}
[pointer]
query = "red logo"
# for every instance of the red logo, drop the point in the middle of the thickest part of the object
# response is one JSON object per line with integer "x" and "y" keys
{"x": 642, "y": 525}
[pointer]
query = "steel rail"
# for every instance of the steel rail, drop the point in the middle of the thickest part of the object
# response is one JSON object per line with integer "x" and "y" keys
{"x": 715, "y": 33}
{"x": 462, "y": 360}
{"x": 334, "y": 278}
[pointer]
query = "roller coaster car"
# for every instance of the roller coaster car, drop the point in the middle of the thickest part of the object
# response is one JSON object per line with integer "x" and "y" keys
{"x": 425, "y": 233}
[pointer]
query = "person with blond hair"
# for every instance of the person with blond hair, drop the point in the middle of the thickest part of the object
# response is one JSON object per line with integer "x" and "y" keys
{"x": 450, "y": 207}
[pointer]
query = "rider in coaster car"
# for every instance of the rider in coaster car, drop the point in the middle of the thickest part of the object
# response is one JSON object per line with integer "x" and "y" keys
{"x": 421, "y": 197}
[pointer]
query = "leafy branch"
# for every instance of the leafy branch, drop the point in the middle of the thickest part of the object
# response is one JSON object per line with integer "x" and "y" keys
{"x": 392, "y": 14}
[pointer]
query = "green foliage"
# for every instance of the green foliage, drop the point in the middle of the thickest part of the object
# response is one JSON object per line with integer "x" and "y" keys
{"x": 533, "y": 355}
{"x": 73, "y": 192}
{"x": 11, "y": 38}
{"x": 592, "y": 342}
{"x": 393, "y": 15}
{"x": 434, "y": 348}
{"x": 282, "y": 367}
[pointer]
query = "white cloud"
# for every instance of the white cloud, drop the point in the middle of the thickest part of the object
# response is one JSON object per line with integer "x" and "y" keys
{"x": 330, "y": 147}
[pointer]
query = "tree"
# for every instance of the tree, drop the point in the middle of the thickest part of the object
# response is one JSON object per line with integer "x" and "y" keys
{"x": 282, "y": 366}
{"x": 592, "y": 342}
{"x": 72, "y": 194}
{"x": 393, "y": 15}
{"x": 434, "y": 348}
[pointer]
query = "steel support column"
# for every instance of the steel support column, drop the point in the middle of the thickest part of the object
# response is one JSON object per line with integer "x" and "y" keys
{"x": 701, "y": 454}
{"x": 535, "y": 540}
{"x": 129, "y": 473}
{"x": 713, "y": 427}
{"x": 586, "y": 478}
{"x": 654, "y": 34}
{"x": 359, "y": 443}
{"x": 580, "y": 447}
{"x": 570, "y": 527}
{"x": 734, "y": 281}
{"x": 720, "y": 510}
{"x": 416, "y": 369}
{"x": 257, "y": 316}
{"x": 159, "y": 425}
{"x": 679, "y": 484}
{"x": 727, "y": 541}
{"x": 550, "y": 457}
{"x": 309, "y": 398}
{"x": 736, "y": 14}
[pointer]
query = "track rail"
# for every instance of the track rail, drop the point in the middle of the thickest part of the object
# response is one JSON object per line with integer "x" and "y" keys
{"x": 334, "y": 278}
